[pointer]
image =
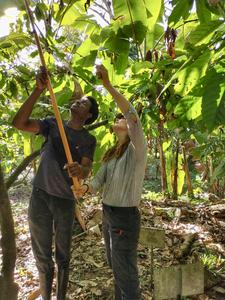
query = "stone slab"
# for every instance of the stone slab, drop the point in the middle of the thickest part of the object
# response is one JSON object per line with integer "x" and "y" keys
{"x": 152, "y": 237}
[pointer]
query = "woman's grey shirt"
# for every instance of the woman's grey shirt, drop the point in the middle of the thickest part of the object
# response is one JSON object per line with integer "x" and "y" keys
{"x": 122, "y": 179}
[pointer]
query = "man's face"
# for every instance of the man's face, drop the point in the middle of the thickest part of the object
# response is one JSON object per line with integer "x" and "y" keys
{"x": 81, "y": 107}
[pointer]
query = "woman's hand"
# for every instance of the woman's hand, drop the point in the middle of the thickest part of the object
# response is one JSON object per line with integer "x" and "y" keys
{"x": 102, "y": 74}
{"x": 82, "y": 190}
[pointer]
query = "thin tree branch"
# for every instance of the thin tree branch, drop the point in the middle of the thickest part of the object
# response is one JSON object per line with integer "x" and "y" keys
{"x": 13, "y": 177}
{"x": 96, "y": 125}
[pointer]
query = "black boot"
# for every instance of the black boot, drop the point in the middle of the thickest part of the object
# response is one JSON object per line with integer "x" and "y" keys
{"x": 45, "y": 280}
{"x": 62, "y": 282}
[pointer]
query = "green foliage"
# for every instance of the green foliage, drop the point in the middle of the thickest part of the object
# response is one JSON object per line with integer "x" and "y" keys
{"x": 181, "y": 10}
{"x": 211, "y": 92}
{"x": 186, "y": 92}
{"x": 131, "y": 18}
{"x": 213, "y": 262}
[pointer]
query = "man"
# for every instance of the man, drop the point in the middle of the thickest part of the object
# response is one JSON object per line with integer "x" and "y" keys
{"x": 51, "y": 208}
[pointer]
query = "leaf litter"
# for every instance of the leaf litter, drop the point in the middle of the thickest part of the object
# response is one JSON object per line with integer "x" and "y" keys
{"x": 192, "y": 231}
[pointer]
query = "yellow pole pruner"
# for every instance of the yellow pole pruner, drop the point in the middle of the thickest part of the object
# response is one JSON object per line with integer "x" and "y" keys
{"x": 76, "y": 183}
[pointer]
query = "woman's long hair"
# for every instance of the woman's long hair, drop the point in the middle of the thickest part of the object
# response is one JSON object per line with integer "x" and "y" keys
{"x": 115, "y": 151}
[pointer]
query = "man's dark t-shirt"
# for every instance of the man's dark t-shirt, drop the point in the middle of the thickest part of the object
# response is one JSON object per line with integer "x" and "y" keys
{"x": 51, "y": 177}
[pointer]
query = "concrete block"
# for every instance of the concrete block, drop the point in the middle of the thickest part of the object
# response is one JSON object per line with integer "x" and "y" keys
{"x": 183, "y": 280}
{"x": 167, "y": 282}
{"x": 192, "y": 279}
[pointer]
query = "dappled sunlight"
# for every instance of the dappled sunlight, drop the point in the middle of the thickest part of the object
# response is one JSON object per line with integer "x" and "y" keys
{"x": 189, "y": 77}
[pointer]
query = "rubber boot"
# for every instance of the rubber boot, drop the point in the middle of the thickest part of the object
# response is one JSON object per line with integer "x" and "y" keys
{"x": 62, "y": 282}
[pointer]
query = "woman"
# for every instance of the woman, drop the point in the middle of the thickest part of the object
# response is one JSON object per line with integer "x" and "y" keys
{"x": 121, "y": 177}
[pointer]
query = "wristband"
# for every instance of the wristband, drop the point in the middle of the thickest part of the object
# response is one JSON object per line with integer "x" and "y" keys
{"x": 85, "y": 184}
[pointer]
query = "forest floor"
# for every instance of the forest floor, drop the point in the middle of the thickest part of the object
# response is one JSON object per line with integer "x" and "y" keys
{"x": 194, "y": 230}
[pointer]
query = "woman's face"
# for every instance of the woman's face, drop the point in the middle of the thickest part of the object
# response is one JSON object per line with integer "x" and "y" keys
{"x": 120, "y": 125}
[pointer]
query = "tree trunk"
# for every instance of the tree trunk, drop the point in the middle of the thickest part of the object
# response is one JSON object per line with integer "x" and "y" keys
{"x": 162, "y": 159}
{"x": 175, "y": 177}
{"x": 187, "y": 174}
{"x": 8, "y": 288}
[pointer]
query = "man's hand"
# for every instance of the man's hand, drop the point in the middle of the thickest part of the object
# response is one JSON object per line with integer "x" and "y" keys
{"x": 102, "y": 74}
{"x": 74, "y": 169}
{"x": 42, "y": 79}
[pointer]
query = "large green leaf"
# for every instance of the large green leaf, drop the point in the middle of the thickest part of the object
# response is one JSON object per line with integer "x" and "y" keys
{"x": 141, "y": 66}
{"x": 15, "y": 40}
{"x": 220, "y": 115}
{"x": 2, "y": 83}
{"x": 203, "y": 13}
{"x": 195, "y": 54}
{"x": 184, "y": 30}
{"x": 64, "y": 96}
{"x": 154, "y": 35}
{"x": 189, "y": 76}
{"x": 214, "y": 88}
{"x": 87, "y": 50}
{"x": 119, "y": 45}
{"x": 88, "y": 60}
{"x": 131, "y": 17}
{"x": 71, "y": 13}
{"x": 121, "y": 63}
{"x": 154, "y": 7}
{"x": 40, "y": 10}
{"x": 181, "y": 10}
{"x": 203, "y": 32}
{"x": 189, "y": 107}
{"x": 86, "y": 25}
